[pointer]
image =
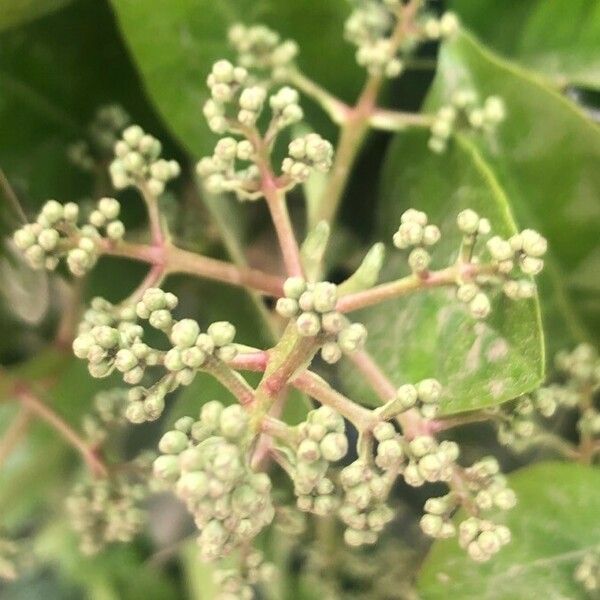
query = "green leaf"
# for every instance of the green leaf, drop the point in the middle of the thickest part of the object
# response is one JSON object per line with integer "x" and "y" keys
{"x": 559, "y": 38}
{"x": 553, "y": 526}
{"x": 176, "y": 42}
{"x": 430, "y": 334}
{"x": 545, "y": 157}
{"x": 17, "y": 12}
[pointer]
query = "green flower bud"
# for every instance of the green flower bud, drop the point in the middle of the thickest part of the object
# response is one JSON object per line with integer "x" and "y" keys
{"x": 418, "y": 260}
{"x": 431, "y": 525}
{"x": 334, "y": 446}
{"x": 184, "y": 333}
{"x": 331, "y": 352}
{"x": 221, "y": 332}
{"x": 468, "y": 221}
{"x": 480, "y": 306}
{"x": 115, "y": 230}
{"x": 325, "y": 297}
{"x": 308, "y": 324}
{"x": 166, "y": 467}
{"x": 384, "y": 431}
{"x": 287, "y": 307}
{"x": 233, "y": 421}
{"x": 352, "y": 337}
{"x": 125, "y": 360}
{"x": 294, "y": 287}
{"x": 109, "y": 208}
{"x": 173, "y": 442}
{"x": 429, "y": 390}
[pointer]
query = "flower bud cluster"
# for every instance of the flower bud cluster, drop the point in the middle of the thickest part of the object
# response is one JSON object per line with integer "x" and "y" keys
{"x": 364, "y": 510}
{"x": 488, "y": 485}
{"x": 582, "y": 365}
{"x": 103, "y": 133}
{"x": 110, "y": 338}
{"x": 436, "y": 521}
{"x": 482, "y": 538}
{"x": 371, "y": 28}
{"x": 313, "y": 307}
{"x": 518, "y": 428}
{"x": 261, "y": 48}
{"x": 305, "y": 153}
{"x": 103, "y": 511}
{"x": 464, "y": 111}
{"x": 137, "y": 162}
{"x": 55, "y": 231}
{"x": 108, "y": 413}
{"x": 588, "y": 572}
{"x": 321, "y": 440}
{"x": 238, "y": 583}
{"x": 446, "y": 26}
{"x": 525, "y": 249}
{"x": 429, "y": 461}
{"x": 368, "y": 27}
{"x": 425, "y": 396}
{"x": 208, "y": 465}
{"x": 220, "y": 173}
{"x": 415, "y": 232}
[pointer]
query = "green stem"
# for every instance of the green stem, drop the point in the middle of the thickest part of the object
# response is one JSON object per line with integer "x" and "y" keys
{"x": 230, "y": 379}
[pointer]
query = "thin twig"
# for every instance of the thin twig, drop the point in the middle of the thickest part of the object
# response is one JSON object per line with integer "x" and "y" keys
{"x": 44, "y": 412}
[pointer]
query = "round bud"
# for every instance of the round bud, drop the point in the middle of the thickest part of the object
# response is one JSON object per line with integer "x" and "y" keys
{"x": 431, "y": 525}
{"x": 287, "y": 307}
{"x": 331, "y": 352}
{"x": 184, "y": 333}
{"x": 407, "y": 395}
{"x": 173, "y": 442}
{"x": 221, "y": 332}
{"x": 429, "y": 390}
{"x": 308, "y": 324}
{"x": 480, "y": 306}
{"x": 468, "y": 221}
{"x": 334, "y": 446}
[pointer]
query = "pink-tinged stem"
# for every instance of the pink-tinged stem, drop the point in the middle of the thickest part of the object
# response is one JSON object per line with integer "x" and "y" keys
{"x": 311, "y": 384}
{"x": 275, "y": 198}
{"x": 412, "y": 423}
{"x": 450, "y": 276}
{"x": 253, "y": 361}
{"x": 44, "y": 412}
{"x": 176, "y": 260}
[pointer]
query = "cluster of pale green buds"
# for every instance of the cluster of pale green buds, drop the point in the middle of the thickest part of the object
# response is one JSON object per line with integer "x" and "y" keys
{"x": 364, "y": 510}
{"x": 220, "y": 174}
{"x": 103, "y": 133}
{"x": 518, "y": 429}
{"x": 238, "y": 583}
{"x": 525, "y": 249}
{"x": 110, "y": 338}
{"x": 588, "y": 572}
{"x": 207, "y": 463}
{"x": 261, "y": 48}
{"x": 482, "y": 538}
{"x": 436, "y": 521}
{"x": 415, "y": 233}
{"x": 368, "y": 28}
{"x": 137, "y": 162}
{"x": 425, "y": 396}
{"x": 306, "y": 153}
{"x": 51, "y": 236}
{"x": 444, "y": 27}
{"x": 108, "y": 414}
{"x": 581, "y": 365}
{"x": 320, "y": 441}
{"x": 429, "y": 461}
{"x": 106, "y": 510}
{"x": 465, "y": 111}
{"x": 371, "y": 28}
{"x": 479, "y": 537}
{"x": 489, "y": 486}
{"x": 313, "y": 307}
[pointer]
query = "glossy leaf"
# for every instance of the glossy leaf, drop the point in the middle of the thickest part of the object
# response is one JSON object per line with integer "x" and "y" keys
{"x": 554, "y": 524}
{"x": 558, "y": 39}
{"x": 545, "y": 156}
{"x": 17, "y": 12}
{"x": 176, "y": 43}
{"x": 430, "y": 334}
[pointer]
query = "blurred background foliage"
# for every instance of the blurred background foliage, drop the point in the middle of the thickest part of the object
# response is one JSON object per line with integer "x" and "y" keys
{"x": 62, "y": 59}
